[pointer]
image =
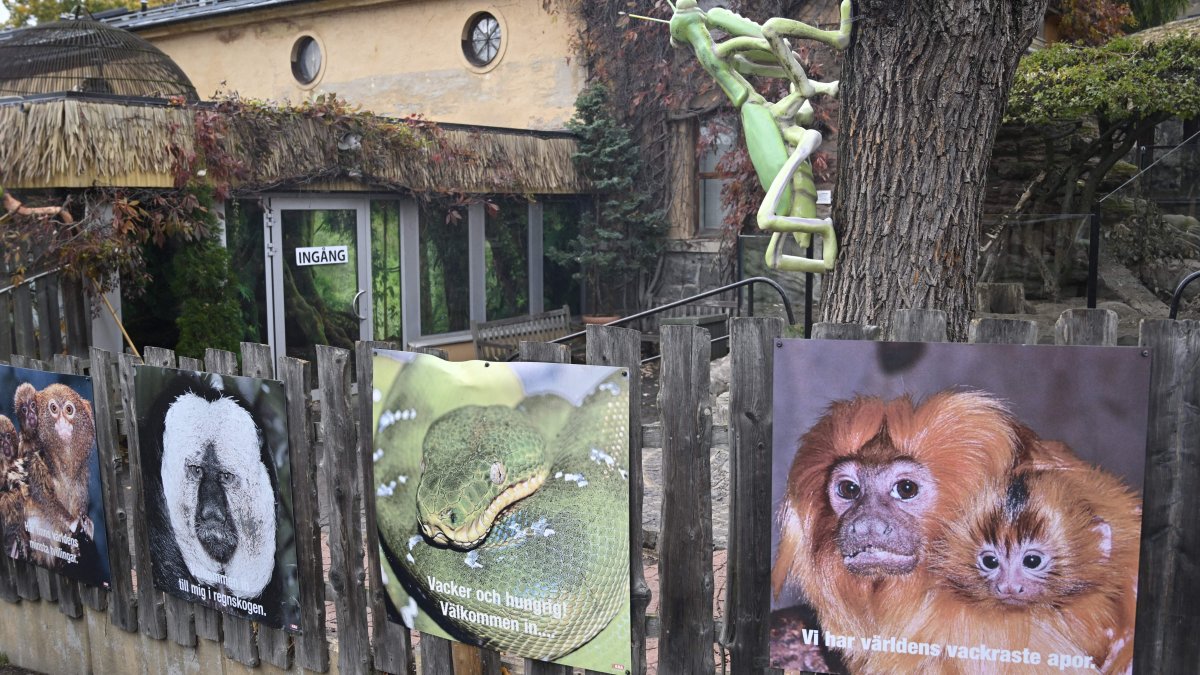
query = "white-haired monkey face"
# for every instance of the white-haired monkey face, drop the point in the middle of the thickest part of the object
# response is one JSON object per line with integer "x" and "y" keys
{"x": 218, "y": 493}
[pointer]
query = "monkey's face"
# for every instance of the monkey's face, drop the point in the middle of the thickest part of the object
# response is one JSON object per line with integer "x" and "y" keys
{"x": 218, "y": 493}
{"x": 65, "y": 414}
{"x": 1016, "y": 574}
{"x": 25, "y": 402}
{"x": 880, "y": 509}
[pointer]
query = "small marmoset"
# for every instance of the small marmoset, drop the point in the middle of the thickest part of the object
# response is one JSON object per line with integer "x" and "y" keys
{"x": 14, "y": 490}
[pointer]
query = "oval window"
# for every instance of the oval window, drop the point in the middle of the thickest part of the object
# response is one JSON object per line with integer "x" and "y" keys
{"x": 481, "y": 39}
{"x": 306, "y": 60}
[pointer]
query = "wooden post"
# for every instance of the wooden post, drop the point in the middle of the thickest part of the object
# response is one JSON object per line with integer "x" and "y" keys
{"x": 312, "y": 650}
{"x": 238, "y": 633}
{"x": 622, "y": 347}
{"x": 844, "y": 331}
{"x": 274, "y": 645}
{"x": 1003, "y": 331}
{"x": 544, "y": 352}
{"x": 919, "y": 325}
{"x": 207, "y": 619}
{"x": 437, "y": 657}
{"x": 123, "y": 609}
{"x": 748, "y": 604}
{"x": 391, "y": 644}
{"x": 151, "y": 613}
{"x": 1086, "y": 327}
{"x": 685, "y": 545}
{"x": 346, "y": 573}
{"x": 1167, "y": 617}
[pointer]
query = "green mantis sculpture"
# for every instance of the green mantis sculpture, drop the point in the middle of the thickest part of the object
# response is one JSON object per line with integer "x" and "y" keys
{"x": 777, "y": 136}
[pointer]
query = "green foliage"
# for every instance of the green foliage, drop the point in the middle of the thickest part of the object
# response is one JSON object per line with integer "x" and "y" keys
{"x": 209, "y": 314}
{"x": 1156, "y": 12}
{"x": 1123, "y": 80}
{"x": 620, "y": 241}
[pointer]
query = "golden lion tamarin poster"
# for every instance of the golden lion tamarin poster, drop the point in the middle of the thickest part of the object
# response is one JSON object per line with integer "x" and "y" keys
{"x": 51, "y": 504}
{"x": 951, "y": 508}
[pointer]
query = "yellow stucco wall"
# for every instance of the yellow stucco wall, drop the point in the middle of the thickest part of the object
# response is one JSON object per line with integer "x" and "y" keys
{"x": 393, "y": 58}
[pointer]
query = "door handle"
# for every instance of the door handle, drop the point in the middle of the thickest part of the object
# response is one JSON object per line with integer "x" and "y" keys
{"x": 354, "y": 305}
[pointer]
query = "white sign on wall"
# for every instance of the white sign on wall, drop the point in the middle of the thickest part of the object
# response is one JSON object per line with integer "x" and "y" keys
{"x": 824, "y": 196}
{"x": 321, "y": 255}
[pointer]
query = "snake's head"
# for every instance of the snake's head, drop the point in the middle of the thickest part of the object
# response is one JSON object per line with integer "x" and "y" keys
{"x": 477, "y": 461}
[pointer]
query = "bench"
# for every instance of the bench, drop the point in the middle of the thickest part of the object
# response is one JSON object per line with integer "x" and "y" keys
{"x": 498, "y": 340}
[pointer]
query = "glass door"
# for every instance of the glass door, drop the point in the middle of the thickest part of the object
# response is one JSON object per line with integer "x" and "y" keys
{"x": 319, "y": 272}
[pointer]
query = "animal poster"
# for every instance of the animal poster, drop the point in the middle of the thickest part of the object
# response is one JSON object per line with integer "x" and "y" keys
{"x": 217, "y": 481}
{"x": 954, "y": 508}
{"x": 51, "y": 503}
{"x": 502, "y": 494}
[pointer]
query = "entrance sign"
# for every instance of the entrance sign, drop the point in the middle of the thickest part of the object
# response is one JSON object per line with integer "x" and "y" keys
{"x": 322, "y": 255}
{"x": 956, "y": 508}
{"x": 502, "y": 498}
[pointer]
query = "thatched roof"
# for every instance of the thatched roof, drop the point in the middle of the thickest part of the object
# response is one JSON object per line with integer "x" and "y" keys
{"x": 1183, "y": 27}
{"x": 70, "y": 142}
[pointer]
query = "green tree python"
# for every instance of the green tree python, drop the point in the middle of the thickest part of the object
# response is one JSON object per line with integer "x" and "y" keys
{"x": 503, "y": 517}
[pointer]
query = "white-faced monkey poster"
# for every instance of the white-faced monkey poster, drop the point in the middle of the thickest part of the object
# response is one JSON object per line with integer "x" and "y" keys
{"x": 216, "y": 477}
{"x": 502, "y": 494}
{"x": 51, "y": 504}
{"x": 952, "y": 508}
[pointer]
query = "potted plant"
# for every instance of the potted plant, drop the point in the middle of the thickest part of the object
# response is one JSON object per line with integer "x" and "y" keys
{"x": 620, "y": 234}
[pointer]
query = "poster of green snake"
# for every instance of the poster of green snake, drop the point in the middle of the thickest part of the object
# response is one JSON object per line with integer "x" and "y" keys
{"x": 502, "y": 500}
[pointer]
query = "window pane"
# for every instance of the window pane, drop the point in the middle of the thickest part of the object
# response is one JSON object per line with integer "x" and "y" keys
{"x": 560, "y": 224}
{"x": 244, "y": 239}
{"x": 445, "y": 282}
{"x": 506, "y": 254}
{"x": 385, "y": 270}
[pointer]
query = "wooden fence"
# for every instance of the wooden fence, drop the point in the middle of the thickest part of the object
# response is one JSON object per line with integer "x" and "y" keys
{"x": 42, "y": 317}
{"x": 684, "y": 634}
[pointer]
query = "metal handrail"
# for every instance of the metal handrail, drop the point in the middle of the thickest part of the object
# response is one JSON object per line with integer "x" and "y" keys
{"x": 1178, "y": 296}
{"x": 787, "y": 304}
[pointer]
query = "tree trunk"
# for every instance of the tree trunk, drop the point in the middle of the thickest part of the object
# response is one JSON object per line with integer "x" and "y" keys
{"x": 924, "y": 87}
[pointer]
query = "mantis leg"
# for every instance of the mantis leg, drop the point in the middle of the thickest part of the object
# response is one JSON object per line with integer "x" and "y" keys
{"x": 769, "y": 219}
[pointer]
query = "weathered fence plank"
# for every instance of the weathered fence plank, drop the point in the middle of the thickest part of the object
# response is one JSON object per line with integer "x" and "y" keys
{"x": 312, "y": 650}
{"x": 207, "y": 620}
{"x": 622, "y": 347}
{"x": 844, "y": 331}
{"x": 49, "y": 322}
{"x": 1167, "y": 617}
{"x": 24, "y": 338}
{"x": 685, "y": 545}
{"x": 1003, "y": 331}
{"x": 391, "y": 644}
{"x": 437, "y": 656}
{"x": 6, "y": 325}
{"x": 274, "y": 645}
{"x": 748, "y": 603}
{"x": 152, "y": 618}
{"x": 544, "y": 352}
{"x": 76, "y": 317}
{"x": 181, "y": 626}
{"x": 340, "y": 451}
{"x": 123, "y": 609}
{"x": 70, "y": 602}
{"x": 237, "y": 633}
{"x": 919, "y": 325}
{"x": 1086, "y": 327}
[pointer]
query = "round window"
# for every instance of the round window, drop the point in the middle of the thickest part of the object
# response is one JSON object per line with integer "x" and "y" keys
{"x": 306, "y": 60}
{"x": 481, "y": 39}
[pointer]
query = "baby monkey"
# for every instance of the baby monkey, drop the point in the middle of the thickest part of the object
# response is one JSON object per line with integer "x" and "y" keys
{"x": 1056, "y": 549}
{"x": 14, "y": 489}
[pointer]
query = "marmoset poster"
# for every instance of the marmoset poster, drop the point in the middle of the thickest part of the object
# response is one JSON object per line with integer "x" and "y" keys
{"x": 51, "y": 503}
{"x": 955, "y": 508}
{"x": 502, "y": 494}
{"x": 217, "y": 482}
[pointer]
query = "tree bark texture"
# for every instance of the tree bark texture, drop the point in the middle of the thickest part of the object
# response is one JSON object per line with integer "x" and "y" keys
{"x": 923, "y": 91}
